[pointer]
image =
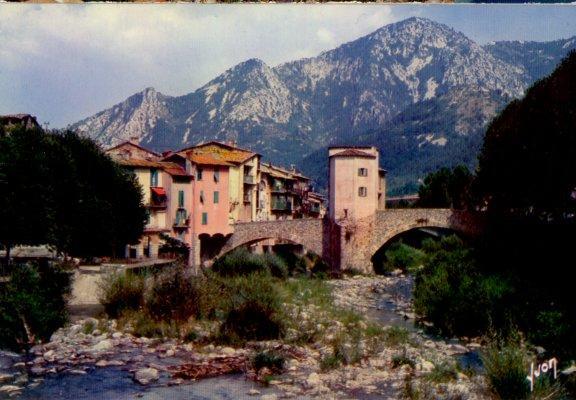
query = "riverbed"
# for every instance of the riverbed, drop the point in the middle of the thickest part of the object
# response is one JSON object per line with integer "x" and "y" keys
{"x": 103, "y": 365}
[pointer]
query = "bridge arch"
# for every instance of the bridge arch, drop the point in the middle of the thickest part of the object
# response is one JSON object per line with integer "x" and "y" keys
{"x": 366, "y": 237}
{"x": 305, "y": 232}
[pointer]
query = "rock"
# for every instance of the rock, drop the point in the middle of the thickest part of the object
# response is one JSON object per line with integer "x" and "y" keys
{"x": 426, "y": 366}
{"x": 96, "y": 332}
{"x": 103, "y": 345}
{"x": 271, "y": 396}
{"x": 117, "y": 335}
{"x": 105, "y": 363}
{"x": 313, "y": 380}
{"x": 77, "y": 372}
{"x": 10, "y": 389}
{"x": 6, "y": 377}
{"x": 146, "y": 375}
{"x": 569, "y": 371}
{"x": 37, "y": 370}
{"x": 170, "y": 353}
{"x": 540, "y": 350}
{"x": 458, "y": 348}
{"x": 49, "y": 355}
{"x": 229, "y": 351}
{"x": 253, "y": 392}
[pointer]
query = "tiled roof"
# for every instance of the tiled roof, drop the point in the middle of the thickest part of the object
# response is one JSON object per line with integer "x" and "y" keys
{"x": 222, "y": 151}
{"x": 353, "y": 153}
{"x": 174, "y": 169}
{"x": 279, "y": 172}
{"x": 128, "y": 143}
{"x": 207, "y": 159}
{"x": 138, "y": 163}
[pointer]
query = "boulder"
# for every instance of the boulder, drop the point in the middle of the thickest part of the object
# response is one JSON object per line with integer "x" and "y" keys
{"x": 146, "y": 375}
{"x": 103, "y": 345}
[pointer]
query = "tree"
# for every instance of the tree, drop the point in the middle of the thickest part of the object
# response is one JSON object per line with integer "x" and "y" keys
{"x": 62, "y": 190}
{"x": 526, "y": 183}
{"x": 445, "y": 188}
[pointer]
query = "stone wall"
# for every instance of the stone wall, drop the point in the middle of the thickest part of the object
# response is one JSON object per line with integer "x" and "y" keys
{"x": 307, "y": 232}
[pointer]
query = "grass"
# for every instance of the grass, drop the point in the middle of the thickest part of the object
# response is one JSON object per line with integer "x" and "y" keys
{"x": 121, "y": 291}
{"x": 443, "y": 372}
{"x": 505, "y": 365}
{"x": 396, "y": 336}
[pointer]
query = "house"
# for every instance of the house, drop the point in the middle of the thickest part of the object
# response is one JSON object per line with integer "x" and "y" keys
{"x": 357, "y": 184}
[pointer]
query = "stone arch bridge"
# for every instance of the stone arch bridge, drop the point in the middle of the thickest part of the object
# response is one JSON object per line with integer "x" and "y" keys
{"x": 350, "y": 244}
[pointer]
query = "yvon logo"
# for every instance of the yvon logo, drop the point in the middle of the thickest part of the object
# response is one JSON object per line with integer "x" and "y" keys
{"x": 542, "y": 368}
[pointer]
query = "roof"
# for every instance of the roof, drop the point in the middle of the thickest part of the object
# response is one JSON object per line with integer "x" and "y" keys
{"x": 279, "y": 172}
{"x": 134, "y": 145}
{"x": 138, "y": 163}
{"x": 207, "y": 159}
{"x": 353, "y": 153}
{"x": 221, "y": 151}
{"x": 174, "y": 169}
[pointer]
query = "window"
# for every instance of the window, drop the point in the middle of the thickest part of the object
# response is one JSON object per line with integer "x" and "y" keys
{"x": 198, "y": 174}
{"x": 216, "y": 175}
{"x": 216, "y": 197}
{"x": 204, "y": 218}
{"x": 202, "y": 196}
{"x": 154, "y": 177}
{"x": 362, "y": 191}
{"x": 181, "y": 198}
{"x": 362, "y": 171}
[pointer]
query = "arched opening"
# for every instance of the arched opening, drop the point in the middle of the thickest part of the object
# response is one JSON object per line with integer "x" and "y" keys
{"x": 403, "y": 251}
{"x": 211, "y": 245}
{"x": 298, "y": 258}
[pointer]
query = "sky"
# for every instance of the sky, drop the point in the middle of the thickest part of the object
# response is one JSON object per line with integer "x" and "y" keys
{"x": 63, "y": 63}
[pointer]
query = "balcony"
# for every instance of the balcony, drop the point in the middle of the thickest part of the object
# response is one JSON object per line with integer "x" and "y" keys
{"x": 249, "y": 180}
{"x": 182, "y": 223}
{"x": 158, "y": 198}
{"x": 281, "y": 206}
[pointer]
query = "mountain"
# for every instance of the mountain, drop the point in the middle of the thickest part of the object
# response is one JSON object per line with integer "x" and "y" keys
{"x": 538, "y": 59}
{"x": 394, "y": 87}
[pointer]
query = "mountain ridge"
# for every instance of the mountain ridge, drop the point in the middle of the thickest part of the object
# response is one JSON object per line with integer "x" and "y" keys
{"x": 289, "y": 111}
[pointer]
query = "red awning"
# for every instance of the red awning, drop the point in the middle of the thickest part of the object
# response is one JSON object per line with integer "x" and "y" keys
{"x": 159, "y": 191}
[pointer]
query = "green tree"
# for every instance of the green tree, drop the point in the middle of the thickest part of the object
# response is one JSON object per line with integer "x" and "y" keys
{"x": 526, "y": 182}
{"x": 62, "y": 190}
{"x": 445, "y": 188}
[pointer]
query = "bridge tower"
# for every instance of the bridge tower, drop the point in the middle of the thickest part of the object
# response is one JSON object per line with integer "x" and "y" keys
{"x": 357, "y": 184}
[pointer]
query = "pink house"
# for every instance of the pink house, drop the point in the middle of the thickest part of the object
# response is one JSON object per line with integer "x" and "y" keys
{"x": 357, "y": 184}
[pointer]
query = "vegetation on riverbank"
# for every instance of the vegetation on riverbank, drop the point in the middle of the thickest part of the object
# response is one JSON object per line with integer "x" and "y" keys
{"x": 32, "y": 304}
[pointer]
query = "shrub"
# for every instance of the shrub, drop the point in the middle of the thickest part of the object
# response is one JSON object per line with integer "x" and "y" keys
{"x": 443, "y": 372}
{"x": 402, "y": 359}
{"x": 252, "y": 307}
{"x": 174, "y": 295}
{"x": 33, "y": 304}
{"x": 395, "y": 336}
{"x": 268, "y": 359}
{"x": 121, "y": 291}
{"x": 505, "y": 366}
{"x": 241, "y": 262}
{"x": 404, "y": 257}
{"x": 452, "y": 292}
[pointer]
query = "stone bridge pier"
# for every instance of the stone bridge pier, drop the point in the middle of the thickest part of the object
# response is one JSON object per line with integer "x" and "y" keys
{"x": 348, "y": 244}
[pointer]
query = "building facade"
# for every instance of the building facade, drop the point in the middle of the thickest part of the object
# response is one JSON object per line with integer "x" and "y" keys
{"x": 357, "y": 184}
{"x": 197, "y": 194}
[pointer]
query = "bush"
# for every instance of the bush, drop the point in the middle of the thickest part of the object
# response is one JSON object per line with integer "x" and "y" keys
{"x": 252, "y": 308}
{"x": 404, "y": 257}
{"x": 452, "y": 292}
{"x": 268, "y": 359}
{"x": 443, "y": 372}
{"x": 121, "y": 291}
{"x": 505, "y": 366}
{"x": 241, "y": 262}
{"x": 395, "y": 336}
{"x": 174, "y": 295}
{"x": 33, "y": 304}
